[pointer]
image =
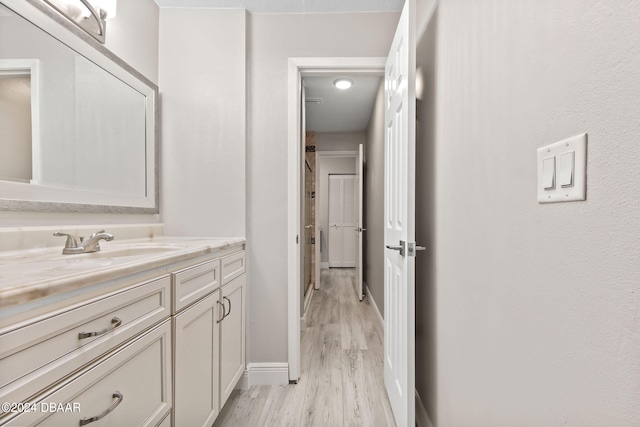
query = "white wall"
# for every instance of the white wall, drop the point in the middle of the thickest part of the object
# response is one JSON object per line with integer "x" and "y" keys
{"x": 202, "y": 89}
{"x": 374, "y": 202}
{"x": 537, "y": 305}
{"x": 133, "y": 36}
{"x": 339, "y": 141}
{"x": 329, "y": 166}
{"x": 273, "y": 38}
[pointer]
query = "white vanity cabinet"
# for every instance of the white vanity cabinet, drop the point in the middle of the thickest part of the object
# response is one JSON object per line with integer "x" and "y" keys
{"x": 209, "y": 339}
{"x": 160, "y": 343}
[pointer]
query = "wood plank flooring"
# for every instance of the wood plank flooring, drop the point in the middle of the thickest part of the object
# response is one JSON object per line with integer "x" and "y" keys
{"x": 341, "y": 381}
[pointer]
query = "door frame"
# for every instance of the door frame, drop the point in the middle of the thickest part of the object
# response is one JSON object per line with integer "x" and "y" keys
{"x": 320, "y": 156}
{"x": 297, "y": 68}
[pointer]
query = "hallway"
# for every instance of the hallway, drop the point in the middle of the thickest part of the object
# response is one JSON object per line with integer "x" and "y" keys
{"x": 341, "y": 381}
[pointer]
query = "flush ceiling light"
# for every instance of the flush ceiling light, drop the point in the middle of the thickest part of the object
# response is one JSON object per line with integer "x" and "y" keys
{"x": 90, "y": 15}
{"x": 343, "y": 83}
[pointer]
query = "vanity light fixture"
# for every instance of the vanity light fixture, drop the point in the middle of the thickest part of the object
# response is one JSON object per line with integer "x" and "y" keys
{"x": 343, "y": 83}
{"x": 90, "y": 15}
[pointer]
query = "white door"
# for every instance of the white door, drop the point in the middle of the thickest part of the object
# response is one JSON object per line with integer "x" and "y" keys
{"x": 342, "y": 221}
{"x": 399, "y": 218}
{"x": 359, "y": 221}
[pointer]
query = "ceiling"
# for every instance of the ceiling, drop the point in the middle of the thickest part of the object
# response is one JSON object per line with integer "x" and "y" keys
{"x": 291, "y": 6}
{"x": 330, "y": 109}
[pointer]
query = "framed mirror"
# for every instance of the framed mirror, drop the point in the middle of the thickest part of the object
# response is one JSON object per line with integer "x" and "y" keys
{"x": 78, "y": 126}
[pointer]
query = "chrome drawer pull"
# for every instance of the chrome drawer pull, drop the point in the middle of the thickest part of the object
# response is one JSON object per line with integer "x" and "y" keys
{"x": 115, "y": 322}
{"x": 229, "y": 306}
{"x": 116, "y": 395}
{"x": 224, "y": 309}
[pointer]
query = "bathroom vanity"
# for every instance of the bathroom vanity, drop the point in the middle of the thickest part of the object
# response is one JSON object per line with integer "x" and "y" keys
{"x": 148, "y": 331}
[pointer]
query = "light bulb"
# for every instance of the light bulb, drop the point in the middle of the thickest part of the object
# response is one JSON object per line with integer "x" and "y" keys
{"x": 343, "y": 83}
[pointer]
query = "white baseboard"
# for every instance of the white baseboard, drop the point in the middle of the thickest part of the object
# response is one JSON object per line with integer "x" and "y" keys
{"x": 307, "y": 301}
{"x": 264, "y": 374}
{"x": 243, "y": 382}
{"x": 373, "y": 304}
{"x": 422, "y": 417}
{"x": 324, "y": 265}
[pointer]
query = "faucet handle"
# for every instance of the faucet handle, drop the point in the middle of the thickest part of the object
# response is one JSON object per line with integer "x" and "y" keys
{"x": 71, "y": 240}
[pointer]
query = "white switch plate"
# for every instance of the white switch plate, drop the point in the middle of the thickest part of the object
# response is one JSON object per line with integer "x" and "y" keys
{"x": 578, "y": 191}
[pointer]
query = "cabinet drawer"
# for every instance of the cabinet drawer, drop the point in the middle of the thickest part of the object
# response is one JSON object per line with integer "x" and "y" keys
{"x": 37, "y": 354}
{"x": 232, "y": 267}
{"x": 138, "y": 376}
{"x": 195, "y": 282}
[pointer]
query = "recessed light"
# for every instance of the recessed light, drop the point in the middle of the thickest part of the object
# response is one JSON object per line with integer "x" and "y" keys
{"x": 343, "y": 83}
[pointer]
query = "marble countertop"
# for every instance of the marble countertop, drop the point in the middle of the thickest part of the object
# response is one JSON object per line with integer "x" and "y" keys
{"x": 27, "y": 275}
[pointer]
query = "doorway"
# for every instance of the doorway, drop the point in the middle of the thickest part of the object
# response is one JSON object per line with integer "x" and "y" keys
{"x": 298, "y": 69}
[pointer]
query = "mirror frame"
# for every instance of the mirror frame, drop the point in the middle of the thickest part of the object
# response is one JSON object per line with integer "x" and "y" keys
{"x": 27, "y": 197}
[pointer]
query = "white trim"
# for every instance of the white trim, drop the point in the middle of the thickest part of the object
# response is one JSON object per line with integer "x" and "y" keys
{"x": 373, "y": 304}
{"x": 307, "y": 301}
{"x": 324, "y": 265}
{"x": 336, "y": 153}
{"x": 264, "y": 374}
{"x": 307, "y": 298}
{"x": 422, "y": 416}
{"x": 297, "y": 67}
{"x": 243, "y": 382}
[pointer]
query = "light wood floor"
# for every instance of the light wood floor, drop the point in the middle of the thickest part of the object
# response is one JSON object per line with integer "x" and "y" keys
{"x": 341, "y": 381}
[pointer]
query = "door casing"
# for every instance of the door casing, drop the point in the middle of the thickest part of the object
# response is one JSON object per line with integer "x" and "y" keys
{"x": 299, "y": 67}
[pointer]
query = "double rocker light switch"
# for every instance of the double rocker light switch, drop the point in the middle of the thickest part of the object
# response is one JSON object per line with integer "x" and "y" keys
{"x": 562, "y": 170}
{"x": 566, "y": 169}
{"x": 549, "y": 173}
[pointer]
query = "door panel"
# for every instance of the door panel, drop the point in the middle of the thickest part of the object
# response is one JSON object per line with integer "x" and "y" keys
{"x": 399, "y": 306}
{"x": 359, "y": 220}
{"x": 342, "y": 221}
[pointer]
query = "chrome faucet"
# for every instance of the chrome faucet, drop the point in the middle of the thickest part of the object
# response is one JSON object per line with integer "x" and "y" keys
{"x": 92, "y": 244}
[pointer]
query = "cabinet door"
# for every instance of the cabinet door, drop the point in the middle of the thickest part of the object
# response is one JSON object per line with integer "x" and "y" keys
{"x": 130, "y": 387}
{"x": 232, "y": 332}
{"x": 196, "y": 342}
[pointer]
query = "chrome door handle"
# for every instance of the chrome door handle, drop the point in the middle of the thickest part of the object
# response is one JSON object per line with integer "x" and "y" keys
{"x": 116, "y": 395}
{"x": 413, "y": 248}
{"x": 399, "y": 248}
{"x": 224, "y": 312}
{"x": 308, "y": 226}
{"x": 115, "y": 322}
{"x": 229, "y": 312}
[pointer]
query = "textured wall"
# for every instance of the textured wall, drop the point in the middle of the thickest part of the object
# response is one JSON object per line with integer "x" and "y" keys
{"x": 537, "y": 305}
